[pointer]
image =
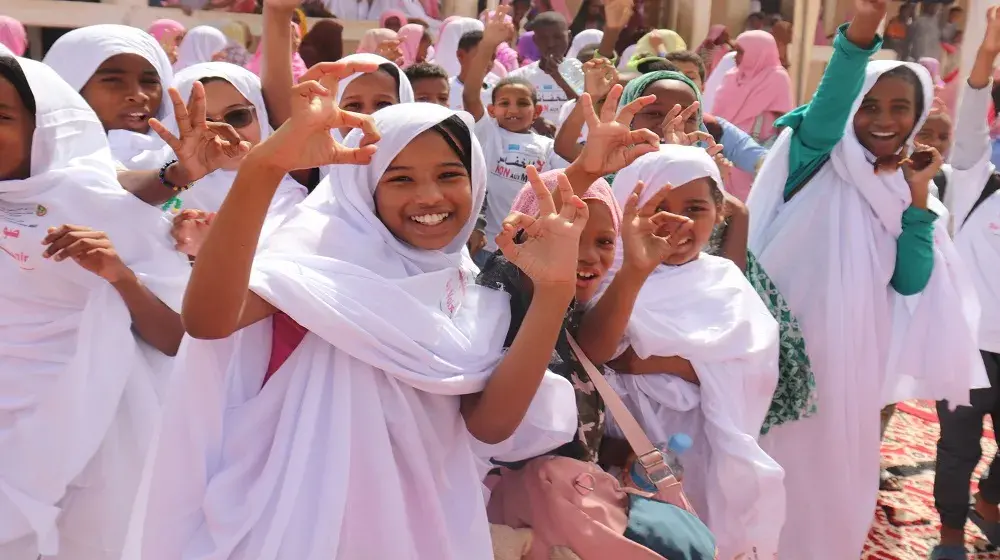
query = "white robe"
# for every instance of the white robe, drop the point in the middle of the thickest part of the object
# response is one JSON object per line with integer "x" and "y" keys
{"x": 831, "y": 251}
{"x": 78, "y": 391}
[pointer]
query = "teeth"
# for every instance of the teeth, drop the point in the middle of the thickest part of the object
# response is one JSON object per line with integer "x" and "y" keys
{"x": 883, "y": 134}
{"x": 430, "y": 219}
{"x": 585, "y": 275}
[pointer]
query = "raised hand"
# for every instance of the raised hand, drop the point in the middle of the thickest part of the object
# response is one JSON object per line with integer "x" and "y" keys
{"x": 203, "y": 147}
{"x": 715, "y": 150}
{"x": 550, "y": 247}
{"x": 991, "y": 40}
{"x": 282, "y": 4}
{"x": 649, "y": 235}
{"x": 611, "y": 144}
{"x": 189, "y": 230}
{"x": 617, "y": 13}
{"x": 498, "y": 27}
{"x": 675, "y": 123}
{"x": 870, "y": 9}
{"x": 919, "y": 170}
{"x": 90, "y": 249}
{"x": 390, "y": 50}
{"x": 599, "y": 76}
{"x": 304, "y": 141}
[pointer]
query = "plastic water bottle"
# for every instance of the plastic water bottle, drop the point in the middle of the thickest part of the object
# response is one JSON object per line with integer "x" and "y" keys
{"x": 571, "y": 70}
{"x": 676, "y": 446}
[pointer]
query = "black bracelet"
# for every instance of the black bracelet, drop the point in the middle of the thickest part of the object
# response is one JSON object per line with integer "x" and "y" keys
{"x": 166, "y": 182}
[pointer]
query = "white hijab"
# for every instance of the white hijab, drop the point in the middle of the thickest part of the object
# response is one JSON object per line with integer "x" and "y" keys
{"x": 199, "y": 45}
{"x": 831, "y": 252}
{"x": 706, "y": 312}
{"x": 209, "y": 192}
{"x": 726, "y": 63}
{"x": 446, "y": 49}
{"x": 79, "y": 394}
{"x": 76, "y": 56}
{"x": 584, "y": 38}
{"x": 359, "y": 432}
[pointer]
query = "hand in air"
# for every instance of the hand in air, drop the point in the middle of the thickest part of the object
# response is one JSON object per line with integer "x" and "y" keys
{"x": 611, "y": 144}
{"x": 282, "y": 4}
{"x": 551, "y": 241}
{"x": 650, "y": 236}
{"x": 714, "y": 149}
{"x": 498, "y": 29}
{"x": 617, "y": 13}
{"x": 305, "y": 141}
{"x": 674, "y": 126}
{"x": 189, "y": 230}
{"x": 599, "y": 76}
{"x": 90, "y": 249}
{"x": 991, "y": 40}
{"x": 870, "y": 9}
{"x": 390, "y": 50}
{"x": 203, "y": 147}
{"x": 919, "y": 170}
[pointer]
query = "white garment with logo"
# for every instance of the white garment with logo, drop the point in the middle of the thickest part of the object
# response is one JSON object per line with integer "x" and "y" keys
{"x": 550, "y": 95}
{"x": 455, "y": 102}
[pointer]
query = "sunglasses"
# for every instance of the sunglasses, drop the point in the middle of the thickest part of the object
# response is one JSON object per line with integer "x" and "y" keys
{"x": 237, "y": 118}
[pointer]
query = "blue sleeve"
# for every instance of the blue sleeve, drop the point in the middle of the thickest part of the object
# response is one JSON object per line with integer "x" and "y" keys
{"x": 820, "y": 124}
{"x": 914, "y": 252}
{"x": 740, "y": 148}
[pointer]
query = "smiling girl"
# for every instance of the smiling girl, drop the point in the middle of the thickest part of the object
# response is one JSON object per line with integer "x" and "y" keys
{"x": 359, "y": 445}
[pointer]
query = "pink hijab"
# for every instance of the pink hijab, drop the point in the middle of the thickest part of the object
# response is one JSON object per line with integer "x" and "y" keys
{"x": 526, "y": 201}
{"x": 13, "y": 35}
{"x": 388, "y": 14}
{"x": 758, "y": 86}
{"x": 161, "y": 28}
{"x": 373, "y": 38}
{"x": 298, "y": 65}
{"x": 409, "y": 42}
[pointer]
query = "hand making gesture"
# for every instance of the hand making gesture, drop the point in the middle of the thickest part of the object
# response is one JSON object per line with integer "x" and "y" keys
{"x": 203, "y": 146}
{"x": 390, "y": 50}
{"x": 919, "y": 170}
{"x": 88, "y": 248}
{"x": 189, "y": 230}
{"x": 675, "y": 126}
{"x": 550, "y": 246}
{"x": 617, "y": 13}
{"x": 599, "y": 76}
{"x": 611, "y": 144}
{"x": 651, "y": 236}
{"x": 499, "y": 28}
{"x": 304, "y": 141}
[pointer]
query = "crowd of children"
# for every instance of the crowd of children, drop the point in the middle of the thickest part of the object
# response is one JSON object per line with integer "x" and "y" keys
{"x": 350, "y": 307}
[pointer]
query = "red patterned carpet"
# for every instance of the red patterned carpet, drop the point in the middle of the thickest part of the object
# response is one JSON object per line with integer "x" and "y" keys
{"x": 906, "y": 523}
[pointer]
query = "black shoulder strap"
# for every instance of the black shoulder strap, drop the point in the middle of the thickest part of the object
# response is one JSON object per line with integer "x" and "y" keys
{"x": 992, "y": 185}
{"x": 941, "y": 180}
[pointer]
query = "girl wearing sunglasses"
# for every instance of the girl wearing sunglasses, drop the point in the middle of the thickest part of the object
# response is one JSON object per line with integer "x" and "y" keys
{"x": 232, "y": 95}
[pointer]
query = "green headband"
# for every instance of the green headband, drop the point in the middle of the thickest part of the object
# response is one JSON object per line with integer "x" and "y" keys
{"x": 633, "y": 90}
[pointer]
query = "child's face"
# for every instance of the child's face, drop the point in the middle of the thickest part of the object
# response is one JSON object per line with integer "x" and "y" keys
{"x": 552, "y": 40}
{"x": 369, "y": 93}
{"x": 425, "y": 195}
{"x": 125, "y": 91}
{"x": 597, "y": 250}
{"x": 431, "y": 90}
{"x": 668, "y": 93}
{"x": 17, "y": 126}
{"x": 689, "y": 69}
{"x": 425, "y": 43}
{"x": 887, "y": 116}
{"x": 224, "y": 103}
{"x": 694, "y": 200}
{"x": 936, "y": 133}
{"x": 514, "y": 110}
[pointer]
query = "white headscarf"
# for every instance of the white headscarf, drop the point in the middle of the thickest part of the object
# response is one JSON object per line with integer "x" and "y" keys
{"x": 584, "y": 38}
{"x": 706, "y": 312}
{"x": 79, "y": 396}
{"x": 359, "y": 431}
{"x": 199, "y": 45}
{"x": 446, "y": 49}
{"x": 76, "y": 56}
{"x": 726, "y": 63}
{"x": 405, "y": 89}
{"x": 831, "y": 252}
{"x": 209, "y": 192}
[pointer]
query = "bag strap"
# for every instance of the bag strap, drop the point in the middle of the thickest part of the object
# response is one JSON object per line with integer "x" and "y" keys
{"x": 647, "y": 455}
{"x": 992, "y": 185}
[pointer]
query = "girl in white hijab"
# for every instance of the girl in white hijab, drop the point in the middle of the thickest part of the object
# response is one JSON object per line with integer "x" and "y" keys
{"x": 80, "y": 322}
{"x": 123, "y": 74}
{"x": 202, "y": 44}
{"x": 831, "y": 214}
{"x": 584, "y": 38}
{"x": 233, "y": 95}
{"x": 446, "y": 48}
{"x": 359, "y": 445}
{"x": 699, "y": 316}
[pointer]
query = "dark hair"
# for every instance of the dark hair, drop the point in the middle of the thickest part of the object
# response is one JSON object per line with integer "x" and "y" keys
{"x": 459, "y": 139}
{"x": 470, "y": 40}
{"x": 209, "y": 79}
{"x": 549, "y": 18}
{"x": 590, "y": 49}
{"x": 904, "y": 73}
{"x": 690, "y": 57}
{"x": 424, "y": 71}
{"x": 580, "y": 20}
{"x": 392, "y": 70}
{"x": 514, "y": 81}
{"x": 12, "y": 72}
{"x": 756, "y": 15}
{"x": 996, "y": 98}
{"x": 717, "y": 197}
{"x": 655, "y": 65}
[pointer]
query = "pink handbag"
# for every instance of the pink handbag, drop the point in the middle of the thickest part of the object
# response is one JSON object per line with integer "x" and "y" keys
{"x": 577, "y": 505}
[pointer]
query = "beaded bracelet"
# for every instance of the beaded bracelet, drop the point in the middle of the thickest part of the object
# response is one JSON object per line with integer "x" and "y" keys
{"x": 166, "y": 182}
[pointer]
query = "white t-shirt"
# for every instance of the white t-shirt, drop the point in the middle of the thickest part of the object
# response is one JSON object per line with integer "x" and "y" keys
{"x": 508, "y": 155}
{"x": 550, "y": 95}
{"x": 455, "y": 102}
